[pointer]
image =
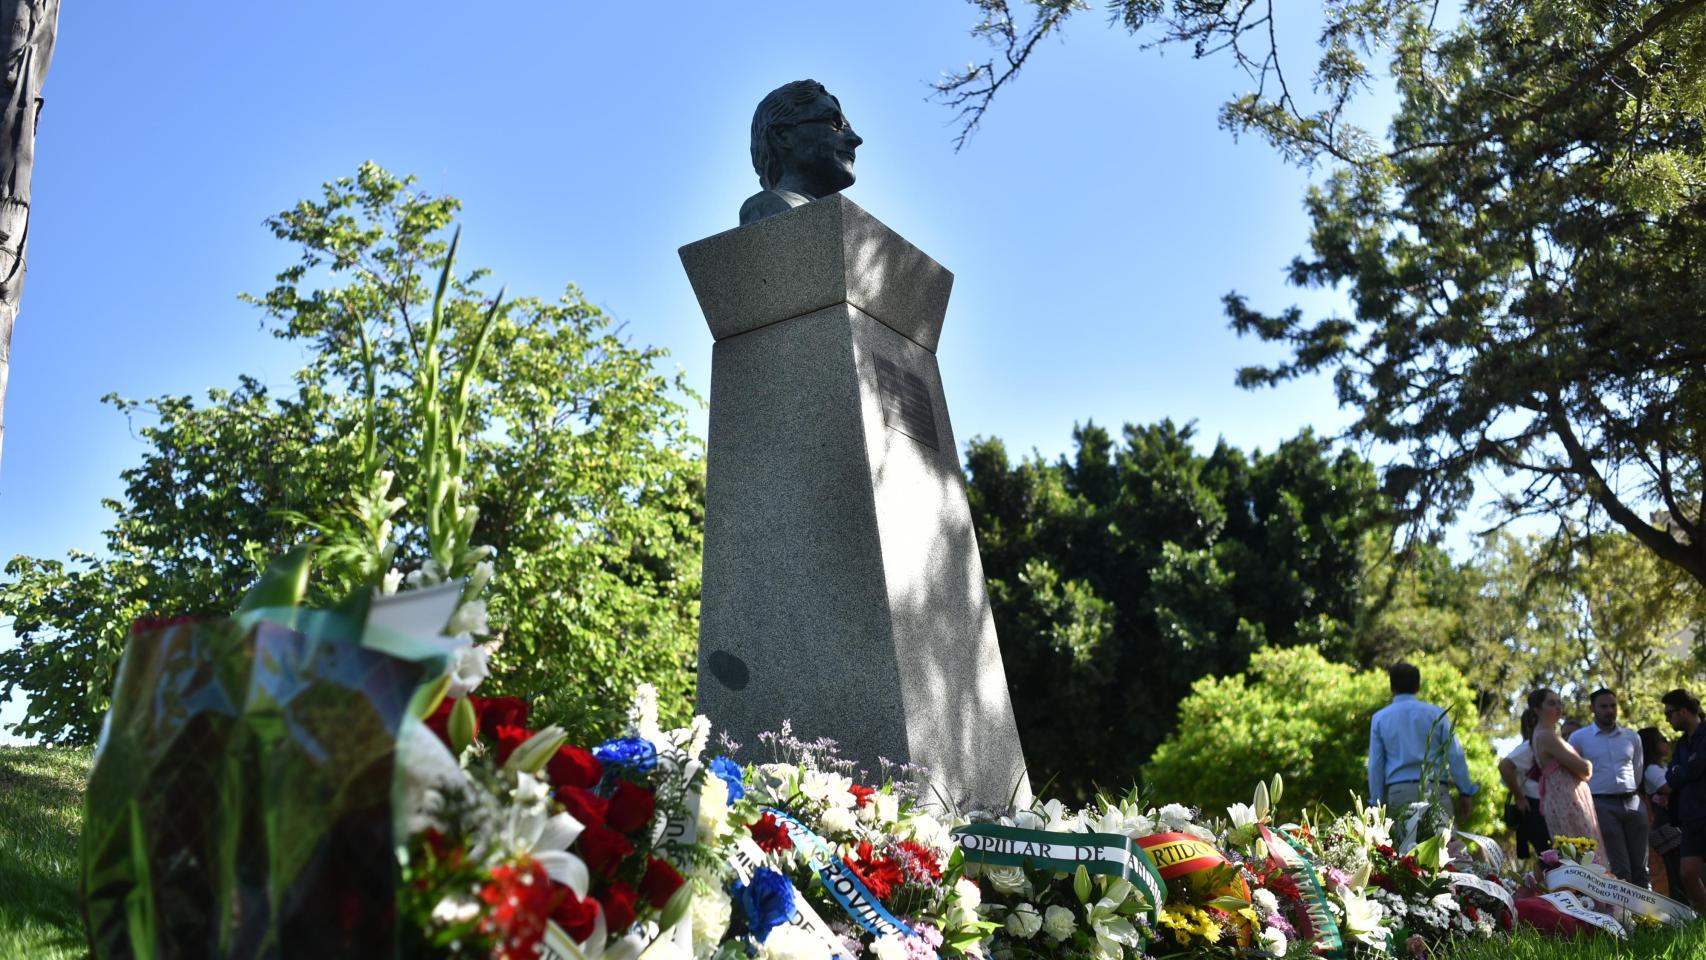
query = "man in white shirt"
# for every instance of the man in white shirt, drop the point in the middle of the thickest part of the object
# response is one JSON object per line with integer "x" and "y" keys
{"x": 1615, "y": 753}
{"x": 1530, "y": 826}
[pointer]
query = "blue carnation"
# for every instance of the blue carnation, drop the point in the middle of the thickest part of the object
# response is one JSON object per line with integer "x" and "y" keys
{"x": 635, "y": 753}
{"x": 730, "y": 773}
{"x": 767, "y": 901}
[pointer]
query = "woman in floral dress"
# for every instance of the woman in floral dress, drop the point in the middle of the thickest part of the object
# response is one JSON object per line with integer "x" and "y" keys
{"x": 1565, "y": 802}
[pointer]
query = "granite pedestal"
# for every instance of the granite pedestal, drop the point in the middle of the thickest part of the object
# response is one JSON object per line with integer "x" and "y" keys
{"x": 842, "y": 585}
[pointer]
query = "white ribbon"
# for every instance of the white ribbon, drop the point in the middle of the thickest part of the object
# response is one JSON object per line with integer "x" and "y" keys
{"x": 1567, "y": 903}
{"x": 1599, "y": 886}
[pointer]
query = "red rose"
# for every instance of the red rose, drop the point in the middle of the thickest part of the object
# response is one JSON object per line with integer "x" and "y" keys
{"x": 509, "y": 737}
{"x": 521, "y": 899}
{"x": 1470, "y": 912}
{"x": 660, "y": 882}
{"x": 631, "y": 807}
{"x": 574, "y": 767}
{"x": 574, "y": 915}
{"x": 618, "y": 903}
{"x": 500, "y": 711}
{"x": 770, "y": 835}
{"x": 861, "y": 793}
{"x": 1506, "y": 923}
{"x": 603, "y": 849}
{"x": 584, "y": 805}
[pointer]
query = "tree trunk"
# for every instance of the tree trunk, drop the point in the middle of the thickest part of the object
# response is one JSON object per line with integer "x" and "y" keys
{"x": 28, "y": 46}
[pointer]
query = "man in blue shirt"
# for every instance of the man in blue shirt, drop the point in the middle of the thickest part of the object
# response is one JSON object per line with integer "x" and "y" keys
{"x": 1404, "y": 734}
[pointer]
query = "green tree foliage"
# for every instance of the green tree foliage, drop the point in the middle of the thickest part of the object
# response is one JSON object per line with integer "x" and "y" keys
{"x": 1295, "y": 713}
{"x": 1521, "y": 251}
{"x": 1121, "y": 575}
{"x": 1529, "y": 612}
{"x": 579, "y": 462}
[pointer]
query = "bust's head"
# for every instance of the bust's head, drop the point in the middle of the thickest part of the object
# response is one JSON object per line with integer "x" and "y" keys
{"x": 801, "y": 142}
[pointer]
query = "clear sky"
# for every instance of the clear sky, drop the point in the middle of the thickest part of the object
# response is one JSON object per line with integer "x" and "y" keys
{"x": 1092, "y": 225}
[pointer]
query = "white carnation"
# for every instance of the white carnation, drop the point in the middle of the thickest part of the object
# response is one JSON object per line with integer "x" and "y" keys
{"x": 962, "y": 909}
{"x": 709, "y": 915}
{"x": 889, "y": 947}
{"x": 1273, "y": 942}
{"x": 1266, "y": 903}
{"x": 793, "y": 943}
{"x": 838, "y": 821}
{"x": 1176, "y": 816}
{"x": 1058, "y": 923}
{"x": 1023, "y": 921}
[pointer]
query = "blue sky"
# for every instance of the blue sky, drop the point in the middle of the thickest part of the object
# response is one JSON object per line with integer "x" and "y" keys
{"x": 1092, "y": 225}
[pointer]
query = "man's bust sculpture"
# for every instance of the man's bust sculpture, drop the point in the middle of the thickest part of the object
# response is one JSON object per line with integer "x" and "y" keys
{"x": 802, "y": 149}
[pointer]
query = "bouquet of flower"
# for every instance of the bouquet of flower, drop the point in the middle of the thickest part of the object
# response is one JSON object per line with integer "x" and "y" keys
{"x": 240, "y": 801}
{"x": 1050, "y": 905}
{"x": 829, "y": 866}
{"x": 520, "y": 844}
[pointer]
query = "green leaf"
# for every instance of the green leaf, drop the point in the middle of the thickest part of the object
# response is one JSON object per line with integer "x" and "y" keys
{"x": 282, "y": 584}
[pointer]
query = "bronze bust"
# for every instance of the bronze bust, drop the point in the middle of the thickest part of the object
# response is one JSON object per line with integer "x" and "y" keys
{"x": 802, "y": 149}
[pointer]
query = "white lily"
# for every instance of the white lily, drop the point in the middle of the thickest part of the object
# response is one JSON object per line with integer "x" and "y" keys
{"x": 530, "y": 828}
{"x": 1362, "y": 917}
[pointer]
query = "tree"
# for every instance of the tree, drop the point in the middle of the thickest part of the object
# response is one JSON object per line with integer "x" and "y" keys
{"x": 27, "y": 49}
{"x": 1520, "y": 254}
{"x": 1121, "y": 575}
{"x": 1297, "y": 714}
{"x": 1529, "y": 612}
{"x": 579, "y": 462}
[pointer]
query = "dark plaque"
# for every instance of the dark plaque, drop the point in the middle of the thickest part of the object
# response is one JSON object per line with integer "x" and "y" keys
{"x": 906, "y": 402}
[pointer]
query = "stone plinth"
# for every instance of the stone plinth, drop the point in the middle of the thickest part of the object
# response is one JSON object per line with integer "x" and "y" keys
{"x": 842, "y": 584}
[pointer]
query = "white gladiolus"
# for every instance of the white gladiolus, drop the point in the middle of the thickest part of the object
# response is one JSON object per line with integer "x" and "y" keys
{"x": 469, "y": 667}
{"x": 429, "y": 772}
{"x": 470, "y": 618}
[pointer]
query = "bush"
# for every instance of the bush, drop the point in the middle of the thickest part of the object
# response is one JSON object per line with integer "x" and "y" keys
{"x": 1296, "y": 714}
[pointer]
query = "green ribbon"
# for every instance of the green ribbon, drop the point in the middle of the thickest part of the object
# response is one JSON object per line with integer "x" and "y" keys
{"x": 1105, "y": 854}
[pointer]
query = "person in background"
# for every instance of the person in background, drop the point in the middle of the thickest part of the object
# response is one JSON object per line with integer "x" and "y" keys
{"x": 1568, "y": 728}
{"x": 1401, "y": 738}
{"x": 1663, "y": 837}
{"x": 1564, "y": 798}
{"x": 1527, "y": 823}
{"x": 1615, "y": 752}
{"x": 1686, "y": 776}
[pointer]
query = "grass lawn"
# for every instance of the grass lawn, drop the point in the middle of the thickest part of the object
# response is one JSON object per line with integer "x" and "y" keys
{"x": 41, "y": 816}
{"x": 41, "y": 802}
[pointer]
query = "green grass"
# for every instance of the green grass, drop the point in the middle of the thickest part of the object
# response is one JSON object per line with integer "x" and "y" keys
{"x": 41, "y": 816}
{"x": 1687, "y": 944}
{"x": 41, "y": 805}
